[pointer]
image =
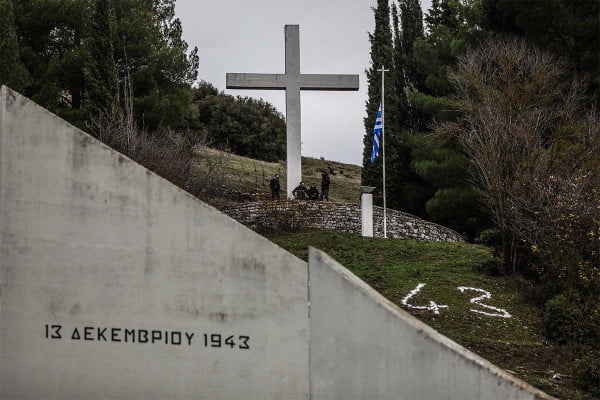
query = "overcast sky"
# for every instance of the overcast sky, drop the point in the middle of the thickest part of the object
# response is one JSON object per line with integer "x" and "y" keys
{"x": 247, "y": 36}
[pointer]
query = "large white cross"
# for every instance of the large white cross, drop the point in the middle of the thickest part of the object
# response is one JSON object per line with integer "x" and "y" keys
{"x": 292, "y": 82}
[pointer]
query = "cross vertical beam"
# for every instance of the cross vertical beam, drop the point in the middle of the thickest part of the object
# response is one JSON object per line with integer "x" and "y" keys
{"x": 292, "y": 82}
{"x": 293, "y": 108}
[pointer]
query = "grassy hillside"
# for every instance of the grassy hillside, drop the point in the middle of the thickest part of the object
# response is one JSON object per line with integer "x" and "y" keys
{"x": 396, "y": 267}
{"x": 240, "y": 178}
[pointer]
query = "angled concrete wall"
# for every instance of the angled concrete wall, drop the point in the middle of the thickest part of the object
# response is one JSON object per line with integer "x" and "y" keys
{"x": 364, "y": 347}
{"x": 111, "y": 277}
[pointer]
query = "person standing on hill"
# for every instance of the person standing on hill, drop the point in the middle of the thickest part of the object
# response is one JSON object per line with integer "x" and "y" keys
{"x": 275, "y": 186}
{"x": 324, "y": 185}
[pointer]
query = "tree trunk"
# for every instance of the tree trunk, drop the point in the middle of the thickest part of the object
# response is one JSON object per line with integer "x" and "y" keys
{"x": 509, "y": 253}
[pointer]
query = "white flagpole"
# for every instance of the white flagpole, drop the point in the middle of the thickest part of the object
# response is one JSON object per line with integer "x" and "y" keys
{"x": 383, "y": 71}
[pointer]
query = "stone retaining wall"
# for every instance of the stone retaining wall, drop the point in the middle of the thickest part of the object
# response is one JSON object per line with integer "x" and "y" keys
{"x": 337, "y": 217}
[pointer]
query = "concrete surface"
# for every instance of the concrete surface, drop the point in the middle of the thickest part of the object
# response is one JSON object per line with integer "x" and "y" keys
{"x": 99, "y": 258}
{"x": 292, "y": 81}
{"x": 366, "y": 214}
{"x": 364, "y": 347}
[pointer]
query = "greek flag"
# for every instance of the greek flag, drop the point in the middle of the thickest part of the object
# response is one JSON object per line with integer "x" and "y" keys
{"x": 376, "y": 136}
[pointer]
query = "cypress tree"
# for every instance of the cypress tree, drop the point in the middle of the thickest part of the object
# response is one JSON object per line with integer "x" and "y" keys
{"x": 415, "y": 191}
{"x": 101, "y": 71}
{"x": 399, "y": 59}
{"x": 404, "y": 189}
{"x": 411, "y": 18}
{"x": 382, "y": 54}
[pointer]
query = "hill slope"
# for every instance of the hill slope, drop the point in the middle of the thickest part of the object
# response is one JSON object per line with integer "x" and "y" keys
{"x": 235, "y": 178}
{"x": 397, "y": 268}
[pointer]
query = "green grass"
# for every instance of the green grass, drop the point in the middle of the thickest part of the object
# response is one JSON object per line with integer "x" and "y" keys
{"x": 241, "y": 178}
{"x": 396, "y": 267}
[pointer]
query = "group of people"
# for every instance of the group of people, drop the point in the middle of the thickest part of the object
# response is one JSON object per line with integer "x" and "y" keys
{"x": 301, "y": 192}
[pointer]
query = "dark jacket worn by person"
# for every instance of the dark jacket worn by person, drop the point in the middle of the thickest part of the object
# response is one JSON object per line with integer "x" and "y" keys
{"x": 300, "y": 192}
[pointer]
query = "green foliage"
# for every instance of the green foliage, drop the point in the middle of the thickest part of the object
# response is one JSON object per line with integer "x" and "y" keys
{"x": 439, "y": 108}
{"x": 458, "y": 207}
{"x": 149, "y": 49}
{"x": 587, "y": 371}
{"x": 491, "y": 267}
{"x": 248, "y": 127}
{"x": 52, "y": 48}
{"x": 382, "y": 54}
{"x": 569, "y": 319}
{"x": 71, "y": 49}
{"x": 455, "y": 203}
{"x": 436, "y": 58}
{"x": 101, "y": 73}
{"x": 491, "y": 237}
{"x": 562, "y": 319}
{"x": 442, "y": 171}
{"x": 411, "y": 19}
{"x": 12, "y": 71}
{"x": 393, "y": 48}
{"x": 568, "y": 29}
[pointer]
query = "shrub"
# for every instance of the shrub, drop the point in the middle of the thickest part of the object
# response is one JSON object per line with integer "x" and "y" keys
{"x": 491, "y": 237}
{"x": 587, "y": 371}
{"x": 570, "y": 320}
{"x": 491, "y": 267}
{"x": 561, "y": 320}
{"x": 287, "y": 215}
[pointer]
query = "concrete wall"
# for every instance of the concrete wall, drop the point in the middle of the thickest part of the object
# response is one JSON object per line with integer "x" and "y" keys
{"x": 91, "y": 239}
{"x": 364, "y": 347}
{"x": 343, "y": 217}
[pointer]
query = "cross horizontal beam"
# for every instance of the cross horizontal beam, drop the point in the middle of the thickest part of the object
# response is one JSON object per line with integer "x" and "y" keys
{"x": 256, "y": 81}
{"x": 280, "y": 81}
{"x": 328, "y": 82}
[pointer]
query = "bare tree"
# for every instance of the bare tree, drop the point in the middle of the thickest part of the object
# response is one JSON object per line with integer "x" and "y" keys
{"x": 533, "y": 144}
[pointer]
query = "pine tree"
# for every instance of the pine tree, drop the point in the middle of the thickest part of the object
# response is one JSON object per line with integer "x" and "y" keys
{"x": 52, "y": 46}
{"x": 434, "y": 15}
{"x": 454, "y": 202}
{"x": 149, "y": 47}
{"x": 442, "y": 12}
{"x": 101, "y": 71}
{"x": 12, "y": 71}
